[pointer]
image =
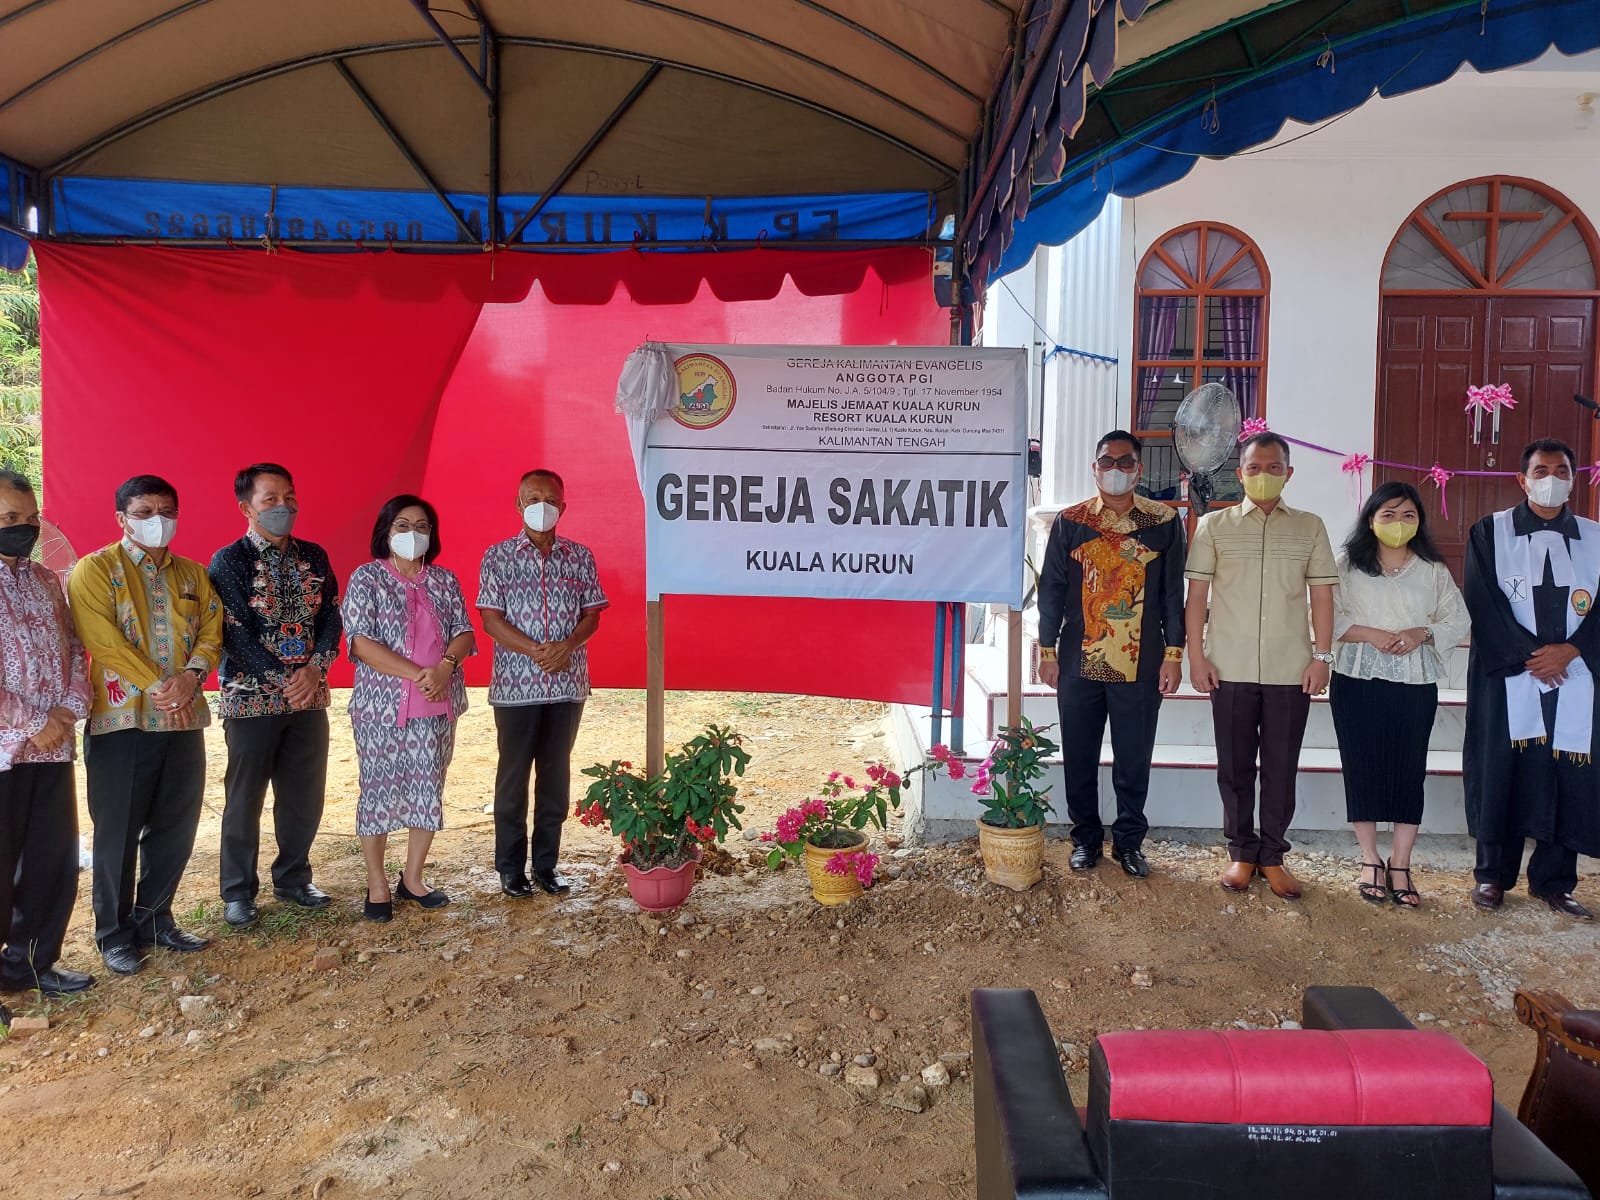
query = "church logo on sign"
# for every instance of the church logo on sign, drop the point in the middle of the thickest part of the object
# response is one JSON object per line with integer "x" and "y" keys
{"x": 706, "y": 391}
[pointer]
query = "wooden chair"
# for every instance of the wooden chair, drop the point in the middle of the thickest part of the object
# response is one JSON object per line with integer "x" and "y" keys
{"x": 1562, "y": 1101}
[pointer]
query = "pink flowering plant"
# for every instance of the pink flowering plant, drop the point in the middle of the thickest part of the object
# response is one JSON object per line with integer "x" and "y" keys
{"x": 661, "y": 821}
{"x": 1007, "y": 780}
{"x": 834, "y": 820}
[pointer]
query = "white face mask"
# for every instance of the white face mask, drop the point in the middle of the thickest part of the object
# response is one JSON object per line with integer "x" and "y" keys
{"x": 1117, "y": 483}
{"x": 410, "y": 545}
{"x": 154, "y": 531}
{"x": 1549, "y": 492}
{"x": 541, "y": 517}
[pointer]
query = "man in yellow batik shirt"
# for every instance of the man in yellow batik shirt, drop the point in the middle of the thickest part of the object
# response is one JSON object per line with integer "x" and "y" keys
{"x": 153, "y": 628}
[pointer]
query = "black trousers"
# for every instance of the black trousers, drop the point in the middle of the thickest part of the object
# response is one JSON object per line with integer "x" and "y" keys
{"x": 1552, "y": 868}
{"x": 1084, "y": 705}
{"x": 1270, "y": 720}
{"x": 289, "y": 751}
{"x": 38, "y": 866}
{"x": 537, "y": 738}
{"x": 144, "y": 800}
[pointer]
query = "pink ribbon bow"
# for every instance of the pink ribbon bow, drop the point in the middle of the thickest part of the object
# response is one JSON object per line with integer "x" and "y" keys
{"x": 1356, "y": 463}
{"x": 1490, "y": 397}
{"x": 1439, "y": 476}
{"x": 1253, "y": 426}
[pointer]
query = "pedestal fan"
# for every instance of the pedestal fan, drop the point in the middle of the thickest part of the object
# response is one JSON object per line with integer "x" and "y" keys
{"x": 1205, "y": 432}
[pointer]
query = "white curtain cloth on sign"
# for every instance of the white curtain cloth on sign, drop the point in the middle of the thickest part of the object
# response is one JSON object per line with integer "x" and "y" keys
{"x": 646, "y": 389}
{"x": 1520, "y": 563}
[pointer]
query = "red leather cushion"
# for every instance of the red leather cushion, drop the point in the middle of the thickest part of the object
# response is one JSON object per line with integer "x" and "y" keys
{"x": 1296, "y": 1077}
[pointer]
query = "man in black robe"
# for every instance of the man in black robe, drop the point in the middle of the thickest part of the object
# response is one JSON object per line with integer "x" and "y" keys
{"x": 1532, "y": 574}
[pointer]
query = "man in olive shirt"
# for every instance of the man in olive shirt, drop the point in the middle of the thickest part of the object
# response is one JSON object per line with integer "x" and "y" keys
{"x": 1256, "y": 657}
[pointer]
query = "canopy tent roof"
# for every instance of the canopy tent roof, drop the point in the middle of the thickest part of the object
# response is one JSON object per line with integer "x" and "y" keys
{"x": 699, "y": 124}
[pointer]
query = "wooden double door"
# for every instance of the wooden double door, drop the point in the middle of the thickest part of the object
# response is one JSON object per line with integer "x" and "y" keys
{"x": 1433, "y": 348}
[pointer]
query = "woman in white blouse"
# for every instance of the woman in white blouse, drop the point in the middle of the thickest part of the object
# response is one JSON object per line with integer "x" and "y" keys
{"x": 1398, "y": 616}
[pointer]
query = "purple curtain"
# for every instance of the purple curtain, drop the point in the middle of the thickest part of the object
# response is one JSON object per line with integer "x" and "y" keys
{"x": 1241, "y": 341}
{"x": 1158, "y": 333}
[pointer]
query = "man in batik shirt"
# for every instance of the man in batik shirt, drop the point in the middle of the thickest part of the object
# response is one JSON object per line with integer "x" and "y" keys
{"x": 541, "y": 599}
{"x": 44, "y": 693}
{"x": 153, "y": 627}
{"x": 1111, "y": 644}
{"x": 280, "y": 635}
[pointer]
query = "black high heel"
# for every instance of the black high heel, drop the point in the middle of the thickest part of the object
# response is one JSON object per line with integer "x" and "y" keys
{"x": 1373, "y": 893}
{"x": 433, "y": 899}
{"x": 1406, "y": 897}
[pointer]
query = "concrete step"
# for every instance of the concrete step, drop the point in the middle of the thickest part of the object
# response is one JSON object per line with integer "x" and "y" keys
{"x": 1185, "y": 720}
{"x": 1183, "y": 787}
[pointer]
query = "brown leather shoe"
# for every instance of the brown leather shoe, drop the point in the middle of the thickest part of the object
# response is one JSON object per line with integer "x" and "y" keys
{"x": 1488, "y": 896}
{"x": 1238, "y": 876}
{"x": 1563, "y": 903}
{"x": 1283, "y": 884}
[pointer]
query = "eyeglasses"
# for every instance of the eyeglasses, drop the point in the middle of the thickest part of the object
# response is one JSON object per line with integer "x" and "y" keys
{"x": 1126, "y": 463}
{"x": 407, "y": 527}
{"x": 144, "y": 514}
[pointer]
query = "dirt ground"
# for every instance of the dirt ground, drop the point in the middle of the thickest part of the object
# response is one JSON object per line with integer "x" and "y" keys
{"x": 533, "y": 1048}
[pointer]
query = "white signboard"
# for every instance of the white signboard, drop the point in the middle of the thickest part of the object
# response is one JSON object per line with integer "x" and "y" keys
{"x": 893, "y": 473}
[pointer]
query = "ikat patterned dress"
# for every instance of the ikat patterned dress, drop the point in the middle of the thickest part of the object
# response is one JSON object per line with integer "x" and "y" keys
{"x": 404, "y": 742}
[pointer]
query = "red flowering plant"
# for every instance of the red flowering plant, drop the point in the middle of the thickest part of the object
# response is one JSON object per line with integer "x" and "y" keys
{"x": 663, "y": 820}
{"x": 834, "y": 820}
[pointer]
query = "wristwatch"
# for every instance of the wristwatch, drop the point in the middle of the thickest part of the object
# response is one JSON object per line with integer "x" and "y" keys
{"x": 1323, "y": 656}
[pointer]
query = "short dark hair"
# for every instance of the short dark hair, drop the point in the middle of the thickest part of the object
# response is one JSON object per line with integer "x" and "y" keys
{"x": 1265, "y": 439}
{"x": 144, "y": 485}
{"x": 16, "y": 481}
{"x": 391, "y": 510}
{"x": 1361, "y": 547}
{"x": 1547, "y": 446}
{"x": 244, "y": 483}
{"x": 1120, "y": 435}
{"x": 541, "y": 473}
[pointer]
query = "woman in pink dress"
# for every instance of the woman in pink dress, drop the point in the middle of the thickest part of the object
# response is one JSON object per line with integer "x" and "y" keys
{"x": 408, "y": 630}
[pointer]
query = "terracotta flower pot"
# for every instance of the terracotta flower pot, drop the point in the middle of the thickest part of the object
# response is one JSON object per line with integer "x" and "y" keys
{"x": 833, "y": 889}
{"x": 660, "y": 888}
{"x": 1012, "y": 857}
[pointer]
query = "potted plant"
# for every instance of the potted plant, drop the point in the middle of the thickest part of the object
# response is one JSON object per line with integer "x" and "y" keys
{"x": 828, "y": 832}
{"x": 665, "y": 821}
{"x": 1011, "y": 829}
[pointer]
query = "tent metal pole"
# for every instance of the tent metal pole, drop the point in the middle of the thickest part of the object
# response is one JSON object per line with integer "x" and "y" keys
{"x": 587, "y": 149}
{"x": 356, "y": 245}
{"x": 449, "y": 44}
{"x": 401, "y": 145}
{"x": 655, "y": 719}
{"x": 491, "y": 56}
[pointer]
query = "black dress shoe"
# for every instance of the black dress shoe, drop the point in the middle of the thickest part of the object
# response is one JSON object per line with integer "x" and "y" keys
{"x": 124, "y": 960}
{"x": 1563, "y": 903}
{"x": 307, "y": 895}
{"x": 1133, "y": 862}
{"x": 1084, "y": 857}
{"x": 551, "y": 884}
{"x": 179, "y": 941}
{"x": 516, "y": 886}
{"x": 433, "y": 899}
{"x": 52, "y": 981}
{"x": 1489, "y": 896}
{"x": 5, "y": 1016}
{"x": 240, "y": 913}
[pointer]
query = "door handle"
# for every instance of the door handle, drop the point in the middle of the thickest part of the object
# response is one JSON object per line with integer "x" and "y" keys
{"x": 1494, "y": 436}
{"x": 1477, "y": 425}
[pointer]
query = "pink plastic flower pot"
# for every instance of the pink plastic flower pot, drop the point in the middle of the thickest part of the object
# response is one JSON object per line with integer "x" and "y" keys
{"x": 660, "y": 888}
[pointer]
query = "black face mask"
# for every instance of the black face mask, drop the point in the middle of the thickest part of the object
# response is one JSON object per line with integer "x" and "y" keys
{"x": 17, "y": 541}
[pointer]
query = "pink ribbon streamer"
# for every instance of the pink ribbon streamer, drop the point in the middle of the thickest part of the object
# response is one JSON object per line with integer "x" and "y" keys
{"x": 1440, "y": 478}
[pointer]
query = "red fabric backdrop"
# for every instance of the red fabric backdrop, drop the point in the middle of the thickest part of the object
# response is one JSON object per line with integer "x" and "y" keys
{"x": 376, "y": 373}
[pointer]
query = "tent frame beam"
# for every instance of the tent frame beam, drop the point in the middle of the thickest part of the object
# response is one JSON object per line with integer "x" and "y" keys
{"x": 400, "y": 144}
{"x": 588, "y": 148}
{"x": 212, "y": 91}
{"x": 479, "y": 76}
{"x": 356, "y": 245}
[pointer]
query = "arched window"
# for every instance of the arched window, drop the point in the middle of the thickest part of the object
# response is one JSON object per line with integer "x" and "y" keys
{"x": 1201, "y": 317}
